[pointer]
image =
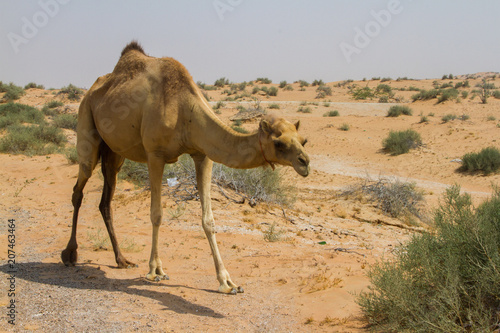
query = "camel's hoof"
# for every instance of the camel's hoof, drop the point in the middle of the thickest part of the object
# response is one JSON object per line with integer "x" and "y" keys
{"x": 157, "y": 278}
{"x": 69, "y": 257}
{"x": 233, "y": 291}
{"x": 126, "y": 264}
{"x": 240, "y": 290}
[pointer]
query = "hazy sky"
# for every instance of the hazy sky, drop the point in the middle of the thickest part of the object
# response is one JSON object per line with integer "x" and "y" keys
{"x": 57, "y": 42}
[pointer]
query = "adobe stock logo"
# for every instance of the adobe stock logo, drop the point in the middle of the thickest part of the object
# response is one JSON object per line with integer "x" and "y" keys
{"x": 372, "y": 29}
{"x": 30, "y": 28}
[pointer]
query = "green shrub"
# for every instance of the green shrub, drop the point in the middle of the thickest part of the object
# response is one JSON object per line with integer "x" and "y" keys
{"x": 68, "y": 121}
{"x": 486, "y": 161}
{"x": 32, "y": 140}
{"x": 264, "y": 80}
{"x": 71, "y": 155}
{"x": 383, "y": 99}
{"x": 12, "y": 92}
{"x": 448, "y": 94}
{"x": 15, "y": 113}
{"x": 333, "y": 113}
{"x": 73, "y": 93}
{"x": 362, "y": 93}
{"x": 449, "y": 117}
{"x": 444, "y": 281}
{"x": 218, "y": 105}
{"x": 383, "y": 89}
{"x": 220, "y": 83}
{"x": 400, "y": 142}
{"x": 283, "y": 84}
{"x": 425, "y": 95}
{"x": 317, "y": 83}
{"x": 304, "y": 109}
{"x": 345, "y": 127}
{"x": 34, "y": 85}
{"x": 273, "y": 91}
{"x": 397, "y": 110}
{"x": 288, "y": 88}
{"x": 323, "y": 91}
{"x": 303, "y": 83}
{"x": 274, "y": 106}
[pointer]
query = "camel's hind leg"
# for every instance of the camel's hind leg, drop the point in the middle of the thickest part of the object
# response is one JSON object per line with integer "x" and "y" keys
{"x": 111, "y": 164}
{"x": 88, "y": 157}
{"x": 88, "y": 141}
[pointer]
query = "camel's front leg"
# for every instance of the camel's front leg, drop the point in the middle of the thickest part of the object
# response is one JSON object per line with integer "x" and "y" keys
{"x": 155, "y": 167}
{"x": 204, "y": 176}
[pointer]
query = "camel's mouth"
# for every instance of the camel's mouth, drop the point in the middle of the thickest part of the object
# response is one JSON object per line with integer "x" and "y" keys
{"x": 302, "y": 168}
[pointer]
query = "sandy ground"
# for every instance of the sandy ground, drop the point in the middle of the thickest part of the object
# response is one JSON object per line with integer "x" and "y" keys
{"x": 292, "y": 285}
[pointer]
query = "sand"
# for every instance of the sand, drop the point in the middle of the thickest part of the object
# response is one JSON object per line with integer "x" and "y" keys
{"x": 306, "y": 281}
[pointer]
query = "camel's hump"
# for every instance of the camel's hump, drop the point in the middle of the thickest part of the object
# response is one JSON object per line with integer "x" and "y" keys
{"x": 133, "y": 45}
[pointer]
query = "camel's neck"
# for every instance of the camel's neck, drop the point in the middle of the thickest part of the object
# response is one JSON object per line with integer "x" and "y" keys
{"x": 222, "y": 144}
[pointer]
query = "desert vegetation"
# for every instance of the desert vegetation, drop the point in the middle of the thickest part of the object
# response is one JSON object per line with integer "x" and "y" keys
{"x": 400, "y": 142}
{"x": 446, "y": 280}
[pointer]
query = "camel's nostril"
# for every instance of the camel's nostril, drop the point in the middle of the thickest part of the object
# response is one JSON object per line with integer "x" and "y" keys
{"x": 302, "y": 161}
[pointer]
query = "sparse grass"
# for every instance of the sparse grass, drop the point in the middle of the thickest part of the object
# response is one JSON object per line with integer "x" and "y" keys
{"x": 425, "y": 95}
{"x": 15, "y": 113}
{"x": 32, "y": 140}
{"x": 448, "y": 94}
{"x": 424, "y": 119}
{"x": 68, "y": 121}
{"x": 219, "y": 105}
{"x": 274, "y": 106}
{"x": 486, "y": 161}
{"x": 71, "y": 155}
{"x": 333, "y": 113}
{"x": 272, "y": 234}
{"x": 345, "y": 127}
{"x": 397, "y": 110}
{"x": 393, "y": 197}
{"x": 449, "y": 117}
{"x": 72, "y": 92}
{"x": 304, "y": 109}
{"x": 319, "y": 281}
{"x": 179, "y": 210}
{"x": 444, "y": 281}
{"x": 255, "y": 185}
{"x": 400, "y": 142}
{"x": 99, "y": 240}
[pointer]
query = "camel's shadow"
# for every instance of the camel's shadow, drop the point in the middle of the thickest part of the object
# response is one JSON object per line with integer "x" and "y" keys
{"x": 90, "y": 277}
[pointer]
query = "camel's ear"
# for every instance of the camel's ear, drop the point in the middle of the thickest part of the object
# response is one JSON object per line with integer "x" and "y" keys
{"x": 297, "y": 125}
{"x": 265, "y": 127}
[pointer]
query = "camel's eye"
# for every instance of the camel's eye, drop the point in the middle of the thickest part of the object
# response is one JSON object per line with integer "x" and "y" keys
{"x": 279, "y": 145}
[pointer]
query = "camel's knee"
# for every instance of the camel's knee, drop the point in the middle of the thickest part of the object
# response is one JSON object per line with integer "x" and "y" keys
{"x": 77, "y": 197}
{"x": 208, "y": 226}
{"x": 156, "y": 219}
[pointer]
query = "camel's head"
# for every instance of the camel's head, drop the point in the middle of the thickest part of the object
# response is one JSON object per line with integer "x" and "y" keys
{"x": 282, "y": 144}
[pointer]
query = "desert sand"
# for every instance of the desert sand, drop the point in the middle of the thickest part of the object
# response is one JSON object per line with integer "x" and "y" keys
{"x": 307, "y": 281}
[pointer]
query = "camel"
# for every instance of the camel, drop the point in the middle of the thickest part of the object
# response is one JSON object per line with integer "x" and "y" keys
{"x": 150, "y": 110}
